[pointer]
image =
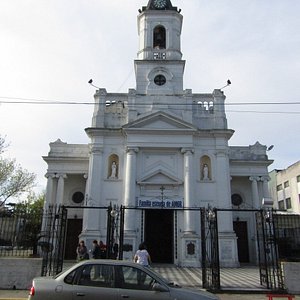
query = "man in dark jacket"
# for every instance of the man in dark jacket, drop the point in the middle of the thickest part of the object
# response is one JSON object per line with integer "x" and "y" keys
{"x": 96, "y": 250}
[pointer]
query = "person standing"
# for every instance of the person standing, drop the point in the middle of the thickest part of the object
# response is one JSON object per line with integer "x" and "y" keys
{"x": 142, "y": 256}
{"x": 103, "y": 250}
{"x": 82, "y": 252}
{"x": 96, "y": 252}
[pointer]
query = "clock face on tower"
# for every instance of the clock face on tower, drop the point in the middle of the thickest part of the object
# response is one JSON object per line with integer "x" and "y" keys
{"x": 160, "y": 3}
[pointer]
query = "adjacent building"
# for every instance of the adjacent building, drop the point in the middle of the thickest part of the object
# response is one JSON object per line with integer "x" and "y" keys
{"x": 285, "y": 188}
{"x": 162, "y": 151}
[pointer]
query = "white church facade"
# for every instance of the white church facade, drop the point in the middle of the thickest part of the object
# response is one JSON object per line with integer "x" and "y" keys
{"x": 160, "y": 150}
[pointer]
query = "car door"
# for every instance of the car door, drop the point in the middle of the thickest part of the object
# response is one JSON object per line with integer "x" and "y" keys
{"x": 94, "y": 282}
{"x": 135, "y": 284}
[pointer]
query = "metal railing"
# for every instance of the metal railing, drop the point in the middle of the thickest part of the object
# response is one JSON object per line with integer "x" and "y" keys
{"x": 19, "y": 233}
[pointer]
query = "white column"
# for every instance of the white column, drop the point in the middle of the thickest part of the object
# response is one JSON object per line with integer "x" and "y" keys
{"x": 223, "y": 190}
{"x": 227, "y": 237}
{"x": 91, "y": 222}
{"x": 60, "y": 189}
{"x": 188, "y": 175}
{"x": 49, "y": 190}
{"x": 49, "y": 199}
{"x": 255, "y": 195}
{"x": 265, "y": 180}
{"x": 130, "y": 186}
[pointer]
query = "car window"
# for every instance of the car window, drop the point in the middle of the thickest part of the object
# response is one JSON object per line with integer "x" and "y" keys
{"x": 96, "y": 275}
{"x": 133, "y": 278}
{"x": 70, "y": 277}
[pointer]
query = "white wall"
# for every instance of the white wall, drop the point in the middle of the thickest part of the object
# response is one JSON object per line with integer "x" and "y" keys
{"x": 17, "y": 273}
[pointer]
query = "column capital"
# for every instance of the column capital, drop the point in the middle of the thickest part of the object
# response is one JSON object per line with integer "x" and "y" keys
{"x": 254, "y": 178}
{"x": 187, "y": 150}
{"x": 132, "y": 149}
{"x": 95, "y": 149}
{"x": 61, "y": 175}
{"x": 85, "y": 176}
{"x": 265, "y": 178}
{"x": 50, "y": 175}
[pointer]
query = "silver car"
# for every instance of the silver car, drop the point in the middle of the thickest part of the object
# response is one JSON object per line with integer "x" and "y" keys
{"x": 110, "y": 280}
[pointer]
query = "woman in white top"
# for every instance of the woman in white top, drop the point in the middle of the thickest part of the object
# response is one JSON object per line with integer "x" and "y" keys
{"x": 142, "y": 256}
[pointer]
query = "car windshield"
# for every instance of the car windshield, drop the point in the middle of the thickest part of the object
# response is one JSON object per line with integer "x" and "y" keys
{"x": 63, "y": 271}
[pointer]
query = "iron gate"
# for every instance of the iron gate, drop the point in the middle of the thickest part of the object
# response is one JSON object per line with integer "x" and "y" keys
{"x": 115, "y": 232}
{"x": 210, "y": 249}
{"x": 53, "y": 239}
{"x": 54, "y": 230}
{"x": 269, "y": 267}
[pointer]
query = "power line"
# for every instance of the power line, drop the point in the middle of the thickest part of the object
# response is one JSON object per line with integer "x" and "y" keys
{"x": 45, "y": 101}
{"x": 264, "y": 112}
{"x": 19, "y": 100}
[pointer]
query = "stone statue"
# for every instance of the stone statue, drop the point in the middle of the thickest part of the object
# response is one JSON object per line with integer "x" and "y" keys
{"x": 205, "y": 172}
{"x": 113, "y": 170}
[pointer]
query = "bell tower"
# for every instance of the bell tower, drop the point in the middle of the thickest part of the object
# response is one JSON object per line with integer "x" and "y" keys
{"x": 159, "y": 68}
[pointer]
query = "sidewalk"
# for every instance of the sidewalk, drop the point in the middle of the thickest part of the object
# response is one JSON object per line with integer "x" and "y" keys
{"x": 13, "y": 294}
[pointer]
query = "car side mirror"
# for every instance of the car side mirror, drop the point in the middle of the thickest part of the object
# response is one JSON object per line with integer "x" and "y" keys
{"x": 159, "y": 288}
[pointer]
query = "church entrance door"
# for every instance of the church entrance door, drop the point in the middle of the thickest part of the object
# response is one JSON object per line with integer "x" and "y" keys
{"x": 241, "y": 231}
{"x": 74, "y": 228}
{"x": 159, "y": 232}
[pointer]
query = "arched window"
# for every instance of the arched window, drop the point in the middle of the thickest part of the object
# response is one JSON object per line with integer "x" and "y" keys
{"x": 159, "y": 37}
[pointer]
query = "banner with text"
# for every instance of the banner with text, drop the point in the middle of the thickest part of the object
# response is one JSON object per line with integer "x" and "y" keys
{"x": 157, "y": 203}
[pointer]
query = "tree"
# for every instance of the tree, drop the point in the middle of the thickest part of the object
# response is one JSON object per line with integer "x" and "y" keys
{"x": 31, "y": 212}
{"x": 14, "y": 180}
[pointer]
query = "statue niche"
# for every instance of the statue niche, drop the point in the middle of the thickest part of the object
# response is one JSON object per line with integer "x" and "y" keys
{"x": 113, "y": 167}
{"x": 205, "y": 168}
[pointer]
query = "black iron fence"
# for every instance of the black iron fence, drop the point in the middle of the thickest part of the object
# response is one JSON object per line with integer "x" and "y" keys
{"x": 288, "y": 236}
{"x": 43, "y": 234}
{"x": 20, "y": 232}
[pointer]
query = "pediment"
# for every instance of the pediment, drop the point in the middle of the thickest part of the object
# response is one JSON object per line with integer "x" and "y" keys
{"x": 159, "y": 177}
{"x": 160, "y": 121}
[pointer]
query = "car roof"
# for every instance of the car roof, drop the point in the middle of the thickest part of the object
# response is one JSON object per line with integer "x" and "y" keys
{"x": 102, "y": 262}
{"x": 107, "y": 261}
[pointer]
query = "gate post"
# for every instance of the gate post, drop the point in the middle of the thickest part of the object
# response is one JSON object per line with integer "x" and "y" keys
{"x": 109, "y": 232}
{"x": 121, "y": 240}
{"x": 210, "y": 249}
{"x": 203, "y": 247}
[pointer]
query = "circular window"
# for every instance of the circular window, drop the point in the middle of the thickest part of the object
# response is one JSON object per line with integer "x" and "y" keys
{"x": 236, "y": 200}
{"x": 160, "y": 80}
{"x": 77, "y": 197}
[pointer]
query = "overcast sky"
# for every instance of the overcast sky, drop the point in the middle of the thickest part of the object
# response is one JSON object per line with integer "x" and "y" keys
{"x": 51, "y": 48}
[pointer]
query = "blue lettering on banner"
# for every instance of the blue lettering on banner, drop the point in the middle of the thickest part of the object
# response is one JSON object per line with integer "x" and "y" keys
{"x": 162, "y": 204}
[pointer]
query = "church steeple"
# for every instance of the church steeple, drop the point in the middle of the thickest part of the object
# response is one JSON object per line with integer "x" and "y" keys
{"x": 159, "y": 67}
{"x": 159, "y": 27}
